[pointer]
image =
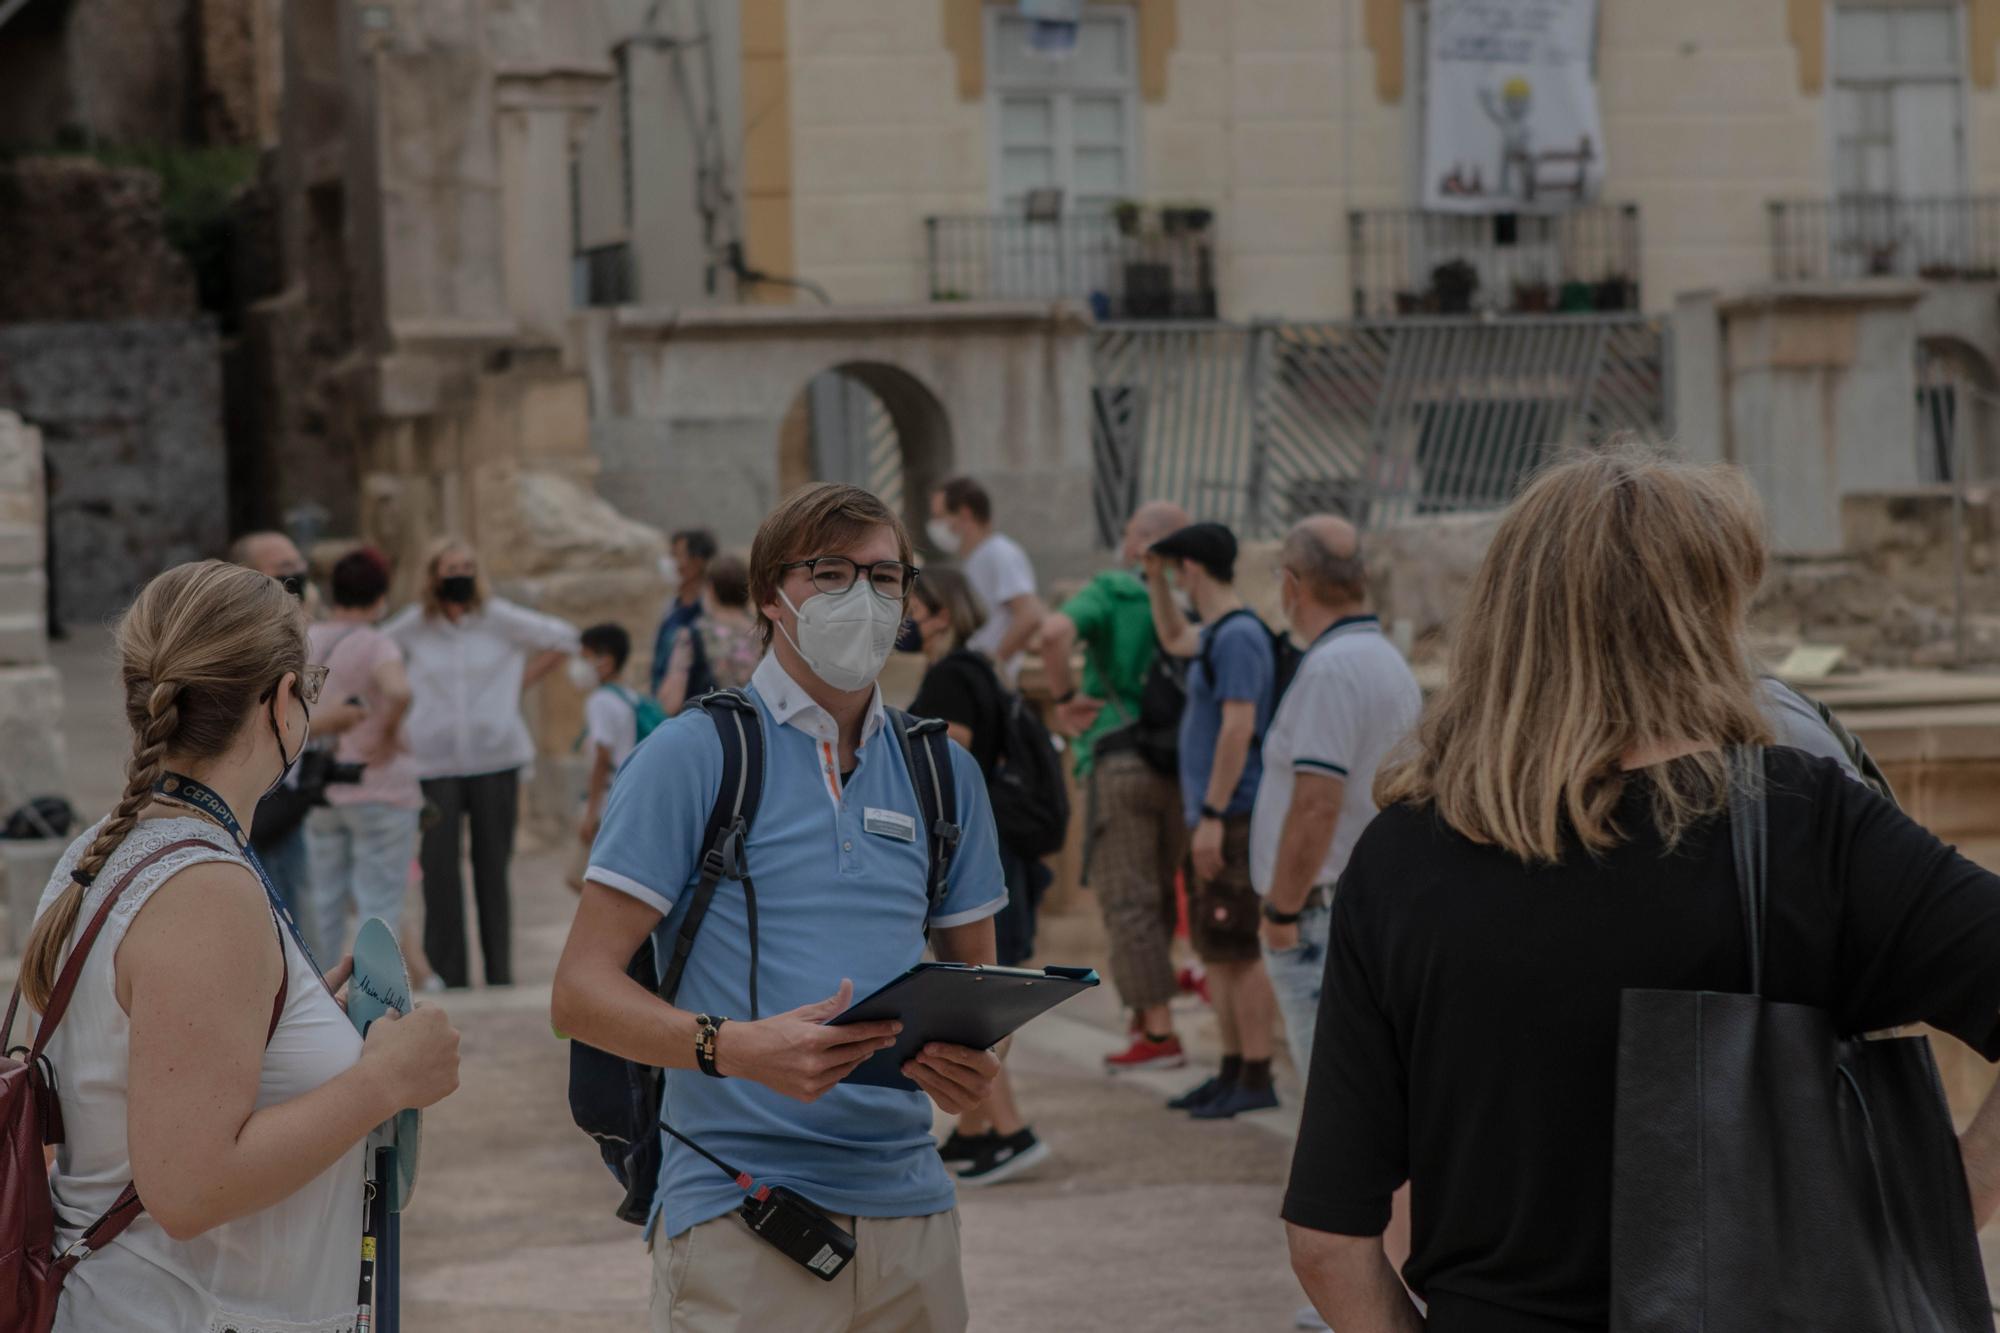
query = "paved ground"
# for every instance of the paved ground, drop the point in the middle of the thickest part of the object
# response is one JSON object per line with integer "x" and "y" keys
{"x": 1144, "y": 1220}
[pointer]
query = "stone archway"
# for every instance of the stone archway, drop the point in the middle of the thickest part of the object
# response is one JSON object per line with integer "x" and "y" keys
{"x": 873, "y": 425}
{"x": 690, "y": 407}
{"x": 1958, "y": 407}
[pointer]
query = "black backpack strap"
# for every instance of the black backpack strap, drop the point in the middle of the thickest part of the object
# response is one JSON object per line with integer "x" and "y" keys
{"x": 1216, "y": 628}
{"x": 741, "y": 731}
{"x": 926, "y": 748}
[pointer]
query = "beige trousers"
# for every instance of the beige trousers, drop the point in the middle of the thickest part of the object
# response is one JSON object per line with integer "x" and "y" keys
{"x": 720, "y": 1278}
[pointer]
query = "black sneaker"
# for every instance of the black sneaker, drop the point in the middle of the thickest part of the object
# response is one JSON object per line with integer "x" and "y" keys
{"x": 1236, "y": 1101}
{"x": 1201, "y": 1094}
{"x": 960, "y": 1148}
{"x": 1001, "y": 1159}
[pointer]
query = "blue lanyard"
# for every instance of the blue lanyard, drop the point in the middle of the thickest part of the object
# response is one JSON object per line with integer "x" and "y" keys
{"x": 186, "y": 791}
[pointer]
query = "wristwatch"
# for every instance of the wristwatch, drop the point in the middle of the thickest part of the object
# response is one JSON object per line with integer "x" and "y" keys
{"x": 1277, "y": 918}
{"x": 705, "y": 1030}
{"x": 1210, "y": 812}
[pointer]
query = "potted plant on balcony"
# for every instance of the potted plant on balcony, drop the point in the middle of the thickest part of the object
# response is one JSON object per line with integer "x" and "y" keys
{"x": 1534, "y": 297}
{"x": 1453, "y": 285}
{"x": 1185, "y": 219}
{"x": 1126, "y": 213}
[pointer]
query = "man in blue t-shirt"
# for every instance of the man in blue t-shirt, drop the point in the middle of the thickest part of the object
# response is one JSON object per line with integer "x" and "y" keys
{"x": 838, "y": 855}
{"x": 1230, "y": 688}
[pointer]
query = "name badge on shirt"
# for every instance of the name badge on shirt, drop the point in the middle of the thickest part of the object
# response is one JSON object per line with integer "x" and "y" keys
{"x": 889, "y": 824}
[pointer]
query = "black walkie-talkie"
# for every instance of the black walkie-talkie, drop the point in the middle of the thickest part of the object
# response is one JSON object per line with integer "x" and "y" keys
{"x": 799, "y": 1230}
{"x": 792, "y": 1224}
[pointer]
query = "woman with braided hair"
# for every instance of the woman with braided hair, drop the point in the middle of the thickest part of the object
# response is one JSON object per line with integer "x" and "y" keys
{"x": 203, "y": 1058}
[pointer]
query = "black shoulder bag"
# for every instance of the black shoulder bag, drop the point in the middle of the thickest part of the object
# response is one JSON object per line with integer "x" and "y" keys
{"x": 1771, "y": 1172}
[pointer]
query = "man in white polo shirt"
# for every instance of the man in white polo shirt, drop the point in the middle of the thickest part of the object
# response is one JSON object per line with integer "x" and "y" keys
{"x": 1352, "y": 699}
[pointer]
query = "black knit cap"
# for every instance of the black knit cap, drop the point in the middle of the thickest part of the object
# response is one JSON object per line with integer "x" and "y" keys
{"x": 1210, "y": 545}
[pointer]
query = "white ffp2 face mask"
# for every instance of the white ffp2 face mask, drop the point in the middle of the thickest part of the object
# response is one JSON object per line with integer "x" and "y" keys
{"x": 583, "y": 674}
{"x": 943, "y": 535}
{"x": 845, "y": 638}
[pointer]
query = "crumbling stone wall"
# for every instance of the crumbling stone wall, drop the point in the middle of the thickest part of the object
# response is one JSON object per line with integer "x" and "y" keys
{"x": 32, "y": 759}
{"x": 86, "y": 241}
{"x": 131, "y": 419}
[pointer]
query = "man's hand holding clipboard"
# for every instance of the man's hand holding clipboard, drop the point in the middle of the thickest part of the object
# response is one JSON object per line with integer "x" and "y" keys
{"x": 953, "y": 1005}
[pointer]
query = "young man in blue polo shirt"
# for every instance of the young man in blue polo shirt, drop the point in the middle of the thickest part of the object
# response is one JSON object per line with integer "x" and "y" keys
{"x": 838, "y": 855}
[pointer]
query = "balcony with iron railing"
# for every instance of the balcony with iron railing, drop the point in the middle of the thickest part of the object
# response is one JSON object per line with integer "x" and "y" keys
{"x": 1418, "y": 262}
{"x": 1938, "y": 238}
{"x": 1125, "y": 265}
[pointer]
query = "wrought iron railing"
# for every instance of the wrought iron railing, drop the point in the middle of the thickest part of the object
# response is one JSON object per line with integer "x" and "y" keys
{"x": 1140, "y": 273}
{"x": 1416, "y": 262}
{"x": 603, "y": 275}
{"x": 1257, "y": 425}
{"x": 1940, "y": 238}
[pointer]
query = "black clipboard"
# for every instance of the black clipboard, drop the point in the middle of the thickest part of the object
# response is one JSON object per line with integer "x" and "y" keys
{"x": 958, "y": 1003}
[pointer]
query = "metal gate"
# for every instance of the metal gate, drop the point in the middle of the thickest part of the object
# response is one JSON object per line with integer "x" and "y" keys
{"x": 1258, "y": 425}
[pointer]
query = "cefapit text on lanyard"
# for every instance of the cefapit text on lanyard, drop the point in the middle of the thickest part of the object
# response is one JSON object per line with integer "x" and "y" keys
{"x": 183, "y": 790}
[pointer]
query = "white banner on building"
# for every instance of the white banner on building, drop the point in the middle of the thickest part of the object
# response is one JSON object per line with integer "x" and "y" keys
{"x": 1511, "y": 111}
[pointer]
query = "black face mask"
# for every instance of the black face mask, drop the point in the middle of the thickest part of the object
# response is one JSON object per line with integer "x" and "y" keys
{"x": 457, "y": 589}
{"x": 279, "y": 733}
{"x": 295, "y": 584}
{"x": 909, "y": 639}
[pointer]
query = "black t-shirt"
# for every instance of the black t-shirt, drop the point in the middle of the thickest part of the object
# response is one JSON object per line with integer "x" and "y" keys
{"x": 1467, "y": 1036}
{"x": 961, "y": 687}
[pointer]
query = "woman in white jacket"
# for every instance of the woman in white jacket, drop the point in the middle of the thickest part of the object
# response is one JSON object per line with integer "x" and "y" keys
{"x": 470, "y": 656}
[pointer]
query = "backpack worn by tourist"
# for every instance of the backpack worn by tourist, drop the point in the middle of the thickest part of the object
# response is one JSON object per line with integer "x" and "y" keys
{"x": 647, "y": 715}
{"x": 31, "y": 1272}
{"x": 1029, "y": 796}
{"x": 617, "y": 1101}
{"x": 1155, "y": 734}
{"x": 1285, "y": 655}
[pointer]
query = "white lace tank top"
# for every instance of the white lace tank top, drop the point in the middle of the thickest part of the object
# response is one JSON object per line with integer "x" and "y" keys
{"x": 292, "y": 1268}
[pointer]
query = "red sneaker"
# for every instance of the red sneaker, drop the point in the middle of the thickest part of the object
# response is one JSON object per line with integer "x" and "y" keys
{"x": 1193, "y": 980}
{"x": 1144, "y": 1053}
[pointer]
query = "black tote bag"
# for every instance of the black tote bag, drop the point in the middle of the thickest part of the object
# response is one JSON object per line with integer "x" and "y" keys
{"x": 1771, "y": 1174}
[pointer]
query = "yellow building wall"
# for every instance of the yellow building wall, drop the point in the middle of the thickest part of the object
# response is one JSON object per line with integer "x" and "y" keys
{"x": 1285, "y": 114}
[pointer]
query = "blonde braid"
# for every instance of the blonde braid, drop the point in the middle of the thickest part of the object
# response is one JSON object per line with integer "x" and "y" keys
{"x": 43, "y": 957}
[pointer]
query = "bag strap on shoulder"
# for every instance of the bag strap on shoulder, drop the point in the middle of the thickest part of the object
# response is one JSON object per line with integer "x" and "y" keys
{"x": 1749, "y": 829}
{"x": 926, "y": 746}
{"x": 741, "y": 731}
{"x": 126, "y": 1208}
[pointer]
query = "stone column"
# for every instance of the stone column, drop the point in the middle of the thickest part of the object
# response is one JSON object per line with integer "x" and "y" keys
{"x": 542, "y": 116}
{"x": 30, "y": 694}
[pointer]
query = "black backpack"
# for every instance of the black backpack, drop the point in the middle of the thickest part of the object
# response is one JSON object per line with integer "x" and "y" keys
{"x": 1030, "y": 799}
{"x": 617, "y": 1101}
{"x": 1154, "y": 735}
{"x": 1285, "y": 655}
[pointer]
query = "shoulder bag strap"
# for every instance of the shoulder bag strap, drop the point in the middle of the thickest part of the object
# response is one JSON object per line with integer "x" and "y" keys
{"x": 937, "y": 795}
{"x": 1748, "y": 840}
{"x": 741, "y": 732}
{"x": 126, "y": 1208}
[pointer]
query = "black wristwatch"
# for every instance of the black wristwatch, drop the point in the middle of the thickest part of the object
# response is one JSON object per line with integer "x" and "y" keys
{"x": 1277, "y": 918}
{"x": 705, "y": 1030}
{"x": 1210, "y": 812}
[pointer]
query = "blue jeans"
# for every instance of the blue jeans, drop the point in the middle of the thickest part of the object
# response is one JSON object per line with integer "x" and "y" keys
{"x": 290, "y": 870}
{"x": 361, "y": 854}
{"x": 1297, "y": 975}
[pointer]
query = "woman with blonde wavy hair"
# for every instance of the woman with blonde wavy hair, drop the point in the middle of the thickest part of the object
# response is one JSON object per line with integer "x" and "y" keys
{"x": 203, "y": 1059}
{"x": 1556, "y": 833}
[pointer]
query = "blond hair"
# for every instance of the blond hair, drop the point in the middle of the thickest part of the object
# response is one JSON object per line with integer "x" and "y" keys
{"x": 203, "y": 643}
{"x": 822, "y": 519}
{"x": 439, "y": 549}
{"x": 1607, "y": 615}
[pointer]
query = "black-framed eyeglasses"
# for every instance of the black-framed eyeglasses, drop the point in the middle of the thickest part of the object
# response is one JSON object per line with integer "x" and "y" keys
{"x": 832, "y": 575}
{"x": 312, "y": 679}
